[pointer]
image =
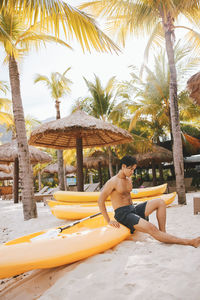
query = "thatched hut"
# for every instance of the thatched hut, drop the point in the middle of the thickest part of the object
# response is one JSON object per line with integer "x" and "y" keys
{"x": 154, "y": 157}
{"x": 78, "y": 130}
{"x": 53, "y": 168}
{"x": 9, "y": 154}
{"x": 5, "y": 176}
{"x": 97, "y": 160}
{"x": 193, "y": 85}
{"x": 5, "y": 168}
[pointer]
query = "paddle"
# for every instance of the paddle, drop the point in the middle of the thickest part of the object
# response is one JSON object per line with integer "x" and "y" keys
{"x": 54, "y": 232}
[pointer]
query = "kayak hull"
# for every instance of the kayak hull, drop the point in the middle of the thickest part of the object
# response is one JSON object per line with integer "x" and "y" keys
{"x": 93, "y": 196}
{"x": 78, "y": 242}
{"x": 79, "y": 211}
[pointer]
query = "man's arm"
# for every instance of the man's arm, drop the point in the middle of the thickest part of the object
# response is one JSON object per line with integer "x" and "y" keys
{"x": 107, "y": 190}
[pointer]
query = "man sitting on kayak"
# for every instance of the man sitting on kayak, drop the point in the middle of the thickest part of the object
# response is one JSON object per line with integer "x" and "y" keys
{"x": 136, "y": 216}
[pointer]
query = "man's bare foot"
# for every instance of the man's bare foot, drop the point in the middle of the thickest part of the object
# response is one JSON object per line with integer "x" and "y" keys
{"x": 195, "y": 242}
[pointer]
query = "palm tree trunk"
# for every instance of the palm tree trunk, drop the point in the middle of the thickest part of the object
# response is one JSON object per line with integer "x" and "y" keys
{"x": 110, "y": 162}
{"x": 29, "y": 205}
{"x": 100, "y": 174}
{"x": 16, "y": 180}
{"x": 79, "y": 170}
{"x": 177, "y": 141}
{"x": 61, "y": 172}
{"x": 154, "y": 172}
{"x": 39, "y": 180}
{"x": 161, "y": 173}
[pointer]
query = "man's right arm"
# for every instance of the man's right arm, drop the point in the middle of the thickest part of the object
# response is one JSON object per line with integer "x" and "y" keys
{"x": 107, "y": 190}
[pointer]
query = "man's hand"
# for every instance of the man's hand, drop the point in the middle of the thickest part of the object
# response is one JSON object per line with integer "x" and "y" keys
{"x": 114, "y": 223}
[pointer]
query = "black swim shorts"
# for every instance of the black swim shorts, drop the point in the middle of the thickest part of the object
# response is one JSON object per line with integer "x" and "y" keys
{"x": 130, "y": 215}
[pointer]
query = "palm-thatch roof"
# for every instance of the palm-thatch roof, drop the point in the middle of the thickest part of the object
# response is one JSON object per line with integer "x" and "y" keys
{"x": 98, "y": 158}
{"x": 53, "y": 168}
{"x": 9, "y": 152}
{"x": 78, "y": 130}
{"x": 5, "y": 168}
{"x": 62, "y": 133}
{"x": 193, "y": 85}
{"x": 6, "y": 176}
{"x": 157, "y": 155}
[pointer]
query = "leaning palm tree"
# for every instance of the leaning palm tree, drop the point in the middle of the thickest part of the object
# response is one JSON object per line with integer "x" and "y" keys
{"x": 103, "y": 104}
{"x": 136, "y": 16}
{"x": 59, "y": 86}
{"x": 17, "y": 38}
{"x": 5, "y": 104}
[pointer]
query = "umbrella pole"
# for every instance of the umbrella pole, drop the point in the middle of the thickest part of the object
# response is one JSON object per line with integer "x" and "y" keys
{"x": 79, "y": 170}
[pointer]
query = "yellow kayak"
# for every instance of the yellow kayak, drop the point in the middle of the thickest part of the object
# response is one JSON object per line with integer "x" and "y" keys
{"x": 49, "y": 248}
{"x": 79, "y": 211}
{"x": 93, "y": 196}
{"x": 52, "y": 203}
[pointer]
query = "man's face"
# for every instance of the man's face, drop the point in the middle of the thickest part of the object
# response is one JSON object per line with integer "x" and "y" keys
{"x": 129, "y": 170}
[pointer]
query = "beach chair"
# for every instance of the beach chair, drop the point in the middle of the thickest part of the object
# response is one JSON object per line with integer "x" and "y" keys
{"x": 93, "y": 187}
{"x": 86, "y": 186}
{"x": 48, "y": 193}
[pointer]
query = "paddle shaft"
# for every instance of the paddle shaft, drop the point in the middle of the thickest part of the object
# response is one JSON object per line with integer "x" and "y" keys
{"x": 77, "y": 222}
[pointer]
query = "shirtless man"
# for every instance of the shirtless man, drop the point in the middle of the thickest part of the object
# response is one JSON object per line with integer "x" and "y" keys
{"x": 136, "y": 216}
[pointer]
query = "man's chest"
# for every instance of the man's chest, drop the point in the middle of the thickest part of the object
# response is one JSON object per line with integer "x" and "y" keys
{"x": 124, "y": 186}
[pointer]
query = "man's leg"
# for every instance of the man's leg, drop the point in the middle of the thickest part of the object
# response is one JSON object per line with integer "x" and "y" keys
{"x": 164, "y": 237}
{"x": 160, "y": 207}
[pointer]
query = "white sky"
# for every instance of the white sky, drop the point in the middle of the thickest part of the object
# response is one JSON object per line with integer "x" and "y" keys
{"x": 54, "y": 58}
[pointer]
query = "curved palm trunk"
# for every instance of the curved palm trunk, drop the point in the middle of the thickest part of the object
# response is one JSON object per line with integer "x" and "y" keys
{"x": 61, "y": 172}
{"x": 177, "y": 142}
{"x": 29, "y": 206}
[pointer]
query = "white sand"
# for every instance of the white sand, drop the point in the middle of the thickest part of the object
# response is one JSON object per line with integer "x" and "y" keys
{"x": 138, "y": 268}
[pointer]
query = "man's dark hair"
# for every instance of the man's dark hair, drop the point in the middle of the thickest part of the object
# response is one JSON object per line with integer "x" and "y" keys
{"x": 128, "y": 161}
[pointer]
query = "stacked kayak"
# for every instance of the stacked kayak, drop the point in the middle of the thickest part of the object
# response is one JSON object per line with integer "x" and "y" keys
{"x": 80, "y": 197}
{"x": 68, "y": 211}
{"x": 46, "y": 250}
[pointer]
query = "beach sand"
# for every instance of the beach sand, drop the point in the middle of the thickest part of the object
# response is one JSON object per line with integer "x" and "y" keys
{"x": 138, "y": 268}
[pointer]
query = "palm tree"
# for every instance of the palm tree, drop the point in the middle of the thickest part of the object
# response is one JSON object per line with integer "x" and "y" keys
{"x": 129, "y": 16}
{"x": 151, "y": 96}
{"x": 5, "y": 104}
{"x": 58, "y": 85}
{"x": 103, "y": 104}
{"x": 17, "y": 39}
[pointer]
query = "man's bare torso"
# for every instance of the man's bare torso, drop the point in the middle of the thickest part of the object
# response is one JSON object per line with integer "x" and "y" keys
{"x": 120, "y": 195}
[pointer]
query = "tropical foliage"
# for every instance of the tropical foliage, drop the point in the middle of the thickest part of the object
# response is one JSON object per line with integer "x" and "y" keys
{"x": 24, "y": 24}
{"x": 59, "y": 86}
{"x": 156, "y": 18}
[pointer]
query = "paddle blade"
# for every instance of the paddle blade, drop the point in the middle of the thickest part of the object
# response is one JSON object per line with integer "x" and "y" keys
{"x": 47, "y": 235}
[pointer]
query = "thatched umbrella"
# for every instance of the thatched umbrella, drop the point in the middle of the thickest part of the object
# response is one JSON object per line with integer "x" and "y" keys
{"x": 53, "y": 168}
{"x": 5, "y": 168}
{"x": 6, "y": 176}
{"x": 9, "y": 153}
{"x": 156, "y": 156}
{"x": 193, "y": 85}
{"x": 77, "y": 131}
{"x": 97, "y": 160}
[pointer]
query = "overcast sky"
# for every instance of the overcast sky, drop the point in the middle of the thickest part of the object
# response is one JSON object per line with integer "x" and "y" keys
{"x": 54, "y": 58}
